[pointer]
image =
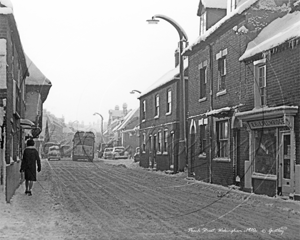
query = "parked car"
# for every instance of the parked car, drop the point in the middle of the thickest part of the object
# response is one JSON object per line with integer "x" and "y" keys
{"x": 107, "y": 153}
{"x": 119, "y": 152}
{"x": 136, "y": 155}
{"x": 54, "y": 153}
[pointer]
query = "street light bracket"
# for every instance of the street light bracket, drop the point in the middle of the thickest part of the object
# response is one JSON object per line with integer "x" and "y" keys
{"x": 180, "y": 30}
{"x": 135, "y": 91}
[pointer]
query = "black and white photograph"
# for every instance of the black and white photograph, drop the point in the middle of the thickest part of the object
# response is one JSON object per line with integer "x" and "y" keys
{"x": 149, "y": 119}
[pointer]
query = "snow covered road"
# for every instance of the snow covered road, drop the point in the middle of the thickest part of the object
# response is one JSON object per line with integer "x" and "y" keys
{"x": 118, "y": 200}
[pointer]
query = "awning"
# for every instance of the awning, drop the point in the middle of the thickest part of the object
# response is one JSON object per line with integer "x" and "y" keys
{"x": 26, "y": 123}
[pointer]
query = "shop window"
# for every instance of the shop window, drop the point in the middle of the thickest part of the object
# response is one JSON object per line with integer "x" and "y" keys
{"x": 156, "y": 105}
{"x": 169, "y": 101}
{"x": 265, "y": 151}
{"x": 203, "y": 79}
{"x": 222, "y": 139}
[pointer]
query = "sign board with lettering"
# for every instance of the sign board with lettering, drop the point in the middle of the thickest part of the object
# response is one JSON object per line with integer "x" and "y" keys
{"x": 275, "y": 122}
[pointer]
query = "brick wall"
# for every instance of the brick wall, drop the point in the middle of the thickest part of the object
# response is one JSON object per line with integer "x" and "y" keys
{"x": 151, "y": 125}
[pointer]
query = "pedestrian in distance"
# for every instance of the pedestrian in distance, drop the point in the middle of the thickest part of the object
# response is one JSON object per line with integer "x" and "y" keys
{"x": 30, "y": 161}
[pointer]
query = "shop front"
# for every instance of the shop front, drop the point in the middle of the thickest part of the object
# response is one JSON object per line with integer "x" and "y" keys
{"x": 270, "y": 169}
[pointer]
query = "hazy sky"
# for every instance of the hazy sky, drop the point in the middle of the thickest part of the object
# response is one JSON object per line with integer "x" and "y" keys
{"x": 95, "y": 52}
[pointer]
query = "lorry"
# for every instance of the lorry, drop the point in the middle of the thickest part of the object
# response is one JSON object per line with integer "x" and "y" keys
{"x": 83, "y": 146}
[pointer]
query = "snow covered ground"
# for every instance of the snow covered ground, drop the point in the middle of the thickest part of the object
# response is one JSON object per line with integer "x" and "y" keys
{"x": 69, "y": 204}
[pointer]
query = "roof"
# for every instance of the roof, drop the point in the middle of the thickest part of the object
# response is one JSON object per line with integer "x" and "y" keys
{"x": 238, "y": 11}
{"x": 37, "y": 78}
{"x": 277, "y": 32}
{"x": 8, "y": 9}
{"x": 169, "y": 76}
{"x": 132, "y": 114}
{"x": 221, "y": 4}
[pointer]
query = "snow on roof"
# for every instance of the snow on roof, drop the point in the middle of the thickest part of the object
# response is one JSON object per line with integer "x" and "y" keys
{"x": 8, "y": 9}
{"x": 239, "y": 10}
{"x": 128, "y": 117}
{"x": 215, "y": 4}
{"x": 277, "y": 32}
{"x": 169, "y": 76}
{"x": 36, "y": 77}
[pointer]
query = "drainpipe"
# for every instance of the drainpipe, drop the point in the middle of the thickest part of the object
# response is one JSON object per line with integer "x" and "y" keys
{"x": 211, "y": 126}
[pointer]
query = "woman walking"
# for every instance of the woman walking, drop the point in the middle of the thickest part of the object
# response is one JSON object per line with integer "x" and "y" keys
{"x": 30, "y": 160}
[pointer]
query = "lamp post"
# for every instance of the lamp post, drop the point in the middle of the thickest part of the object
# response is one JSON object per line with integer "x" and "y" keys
{"x": 181, "y": 101}
{"x": 135, "y": 91}
{"x": 101, "y": 124}
{"x": 73, "y": 123}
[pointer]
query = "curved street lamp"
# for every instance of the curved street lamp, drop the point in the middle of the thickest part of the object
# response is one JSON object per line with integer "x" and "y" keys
{"x": 135, "y": 91}
{"x": 101, "y": 123}
{"x": 181, "y": 101}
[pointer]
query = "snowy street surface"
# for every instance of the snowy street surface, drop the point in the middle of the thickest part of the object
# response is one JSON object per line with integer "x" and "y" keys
{"x": 116, "y": 199}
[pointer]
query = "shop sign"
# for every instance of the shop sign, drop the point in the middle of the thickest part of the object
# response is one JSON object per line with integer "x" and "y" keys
{"x": 276, "y": 122}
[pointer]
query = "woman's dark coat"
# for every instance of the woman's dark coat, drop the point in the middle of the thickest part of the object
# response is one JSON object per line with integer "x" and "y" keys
{"x": 30, "y": 160}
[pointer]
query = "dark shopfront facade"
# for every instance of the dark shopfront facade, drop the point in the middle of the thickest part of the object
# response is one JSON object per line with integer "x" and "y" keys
{"x": 270, "y": 169}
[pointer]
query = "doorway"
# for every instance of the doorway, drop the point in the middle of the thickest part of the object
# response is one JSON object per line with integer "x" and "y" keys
{"x": 172, "y": 152}
{"x": 193, "y": 150}
{"x": 285, "y": 165}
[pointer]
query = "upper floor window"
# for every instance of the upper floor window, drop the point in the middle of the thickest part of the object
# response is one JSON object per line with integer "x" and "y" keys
{"x": 203, "y": 79}
{"x": 203, "y": 23}
{"x": 156, "y": 105}
{"x": 260, "y": 83}
{"x": 144, "y": 110}
{"x": 232, "y": 5}
{"x": 169, "y": 101}
{"x": 222, "y": 139}
{"x": 222, "y": 69}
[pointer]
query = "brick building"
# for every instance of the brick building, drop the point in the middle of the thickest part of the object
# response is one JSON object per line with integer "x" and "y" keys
{"x": 37, "y": 90}
{"x": 271, "y": 119}
{"x": 159, "y": 121}
{"x": 13, "y": 72}
{"x": 217, "y": 90}
{"x": 129, "y": 130}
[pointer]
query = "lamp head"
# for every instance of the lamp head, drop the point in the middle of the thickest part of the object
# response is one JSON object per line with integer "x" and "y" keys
{"x": 152, "y": 21}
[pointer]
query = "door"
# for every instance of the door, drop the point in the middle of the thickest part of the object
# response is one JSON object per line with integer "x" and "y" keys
{"x": 154, "y": 151}
{"x": 171, "y": 152}
{"x": 193, "y": 150}
{"x": 286, "y": 166}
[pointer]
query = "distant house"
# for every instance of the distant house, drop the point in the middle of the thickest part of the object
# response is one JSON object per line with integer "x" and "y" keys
{"x": 115, "y": 118}
{"x": 129, "y": 130}
{"x": 13, "y": 72}
{"x": 159, "y": 122}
